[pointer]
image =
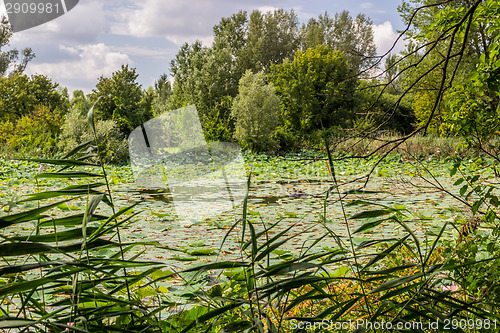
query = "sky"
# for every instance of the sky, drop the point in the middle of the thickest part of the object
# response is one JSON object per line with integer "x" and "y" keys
{"x": 97, "y": 37}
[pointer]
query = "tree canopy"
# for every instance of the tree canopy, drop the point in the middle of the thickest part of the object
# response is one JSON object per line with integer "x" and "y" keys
{"x": 317, "y": 90}
{"x": 256, "y": 111}
{"x": 120, "y": 99}
{"x": 209, "y": 76}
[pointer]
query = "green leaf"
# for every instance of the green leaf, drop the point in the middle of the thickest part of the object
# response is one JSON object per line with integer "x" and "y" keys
{"x": 463, "y": 190}
{"x": 19, "y": 287}
{"x": 63, "y": 162}
{"x": 23, "y": 248}
{"x": 56, "y": 237}
{"x": 70, "y": 221}
{"x": 476, "y": 205}
{"x": 200, "y": 251}
{"x": 371, "y": 225}
{"x": 90, "y": 116}
{"x": 77, "y": 149}
{"x": 16, "y": 323}
{"x": 287, "y": 267}
{"x": 372, "y": 213}
{"x": 30, "y": 215}
{"x": 397, "y": 282}
{"x": 217, "y": 265}
{"x": 383, "y": 254}
{"x": 59, "y": 193}
{"x": 67, "y": 175}
{"x": 27, "y": 267}
{"x": 213, "y": 314}
{"x": 341, "y": 271}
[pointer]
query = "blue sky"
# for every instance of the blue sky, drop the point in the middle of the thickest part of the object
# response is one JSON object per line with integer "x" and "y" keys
{"x": 97, "y": 37}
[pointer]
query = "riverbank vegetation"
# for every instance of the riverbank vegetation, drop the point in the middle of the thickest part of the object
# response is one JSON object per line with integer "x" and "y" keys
{"x": 372, "y": 189}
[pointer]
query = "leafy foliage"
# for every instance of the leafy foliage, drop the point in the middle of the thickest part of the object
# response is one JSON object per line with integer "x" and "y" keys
{"x": 120, "y": 100}
{"x": 208, "y": 76}
{"x": 351, "y": 37}
{"x": 20, "y": 95}
{"x": 31, "y": 111}
{"x": 75, "y": 131}
{"x": 203, "y": 76}
{"x": 34, "y": 134}
{"x": 256, "y": 112}
{"x": 448, "y": 42}
{"x": 73, "y": 273}
{"x": 316, "y": 89}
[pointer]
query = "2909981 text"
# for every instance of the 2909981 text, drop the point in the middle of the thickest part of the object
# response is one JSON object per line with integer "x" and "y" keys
{"x": 32, "y": 8}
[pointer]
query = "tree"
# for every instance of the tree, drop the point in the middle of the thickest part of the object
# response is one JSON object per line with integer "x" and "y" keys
{"x": 209, "y": 76}
{"x": 31, "y": 111}
{"x": 204, "y": 77}
{"x": 163, "y": 88}
{"x": 121, "y": 97}
{"x": 79, "y": 101}
{"x": 352, "y": 37}
{"x": 21, "y": 94}
{"x": 35, "y": 133}
{"x": 75, "y": 130}
{"x": 271, "y": 38}
{"x": 8, "y": 58}
{"x": 317, "y": 90}
{"x": 256, "y": 112}
{"x": 391, "y": 74}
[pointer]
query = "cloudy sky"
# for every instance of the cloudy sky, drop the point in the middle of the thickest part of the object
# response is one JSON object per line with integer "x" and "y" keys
{"x": 98, "y": 36}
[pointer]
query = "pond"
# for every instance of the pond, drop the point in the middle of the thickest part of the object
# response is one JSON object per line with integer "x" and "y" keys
{"x": 295, "y": 191}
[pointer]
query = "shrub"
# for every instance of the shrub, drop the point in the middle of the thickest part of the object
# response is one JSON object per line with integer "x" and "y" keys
{"x": 33, "y": 134}
{"x": 76, "y": 131}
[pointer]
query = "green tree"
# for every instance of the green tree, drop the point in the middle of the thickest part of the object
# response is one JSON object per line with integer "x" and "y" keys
{"x": 75, "y": 130}
{"x": 473, "y": 107}
{"x": 317, "y": 90}
{"x": 271, "y": 38}
{"x": 209, "y": 76}
{"x": 21, "y": 94}
{"x": 256, "y": 112}
{"x": 79, "y": 101}
{"x": 33, "y": 134}
{"x": 160, "y": 95}
{"x": 121, "y": 97}
{"x": 351, "y": 36}
{"x": 163, "y": 89}
{"x": 204, "y": 77}
{"x": 391, "y": 74}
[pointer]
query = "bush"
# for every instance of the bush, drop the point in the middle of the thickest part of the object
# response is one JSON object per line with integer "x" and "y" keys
{"x": 256, "y": 111}
{"x": 76, "y": 131}
{"x": 34, "y": 134}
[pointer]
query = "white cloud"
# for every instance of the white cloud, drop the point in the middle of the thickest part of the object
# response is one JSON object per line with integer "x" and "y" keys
{"x": 384, "y": 37}
{"x": 266, "y": 9}
{"x": 179, "y": 21}
{"x": 93, "y": 61}
{"x": 152, "y": 52}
